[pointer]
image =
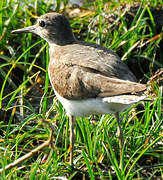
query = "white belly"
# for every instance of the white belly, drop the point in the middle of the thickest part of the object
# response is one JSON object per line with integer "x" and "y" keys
{"x": 90, "y": 106}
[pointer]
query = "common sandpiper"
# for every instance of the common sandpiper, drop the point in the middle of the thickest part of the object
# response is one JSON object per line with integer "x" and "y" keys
{"x": 86, "y": 77}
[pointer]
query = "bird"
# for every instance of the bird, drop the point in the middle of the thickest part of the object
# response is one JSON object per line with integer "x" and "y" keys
{"x": 87, "y": 78}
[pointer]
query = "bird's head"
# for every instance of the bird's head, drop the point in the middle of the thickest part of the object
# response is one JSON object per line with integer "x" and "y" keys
{"x": 52, "y": 27}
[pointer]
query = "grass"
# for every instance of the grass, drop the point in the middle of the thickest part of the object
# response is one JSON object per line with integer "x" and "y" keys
{"x": 26, "y": 96}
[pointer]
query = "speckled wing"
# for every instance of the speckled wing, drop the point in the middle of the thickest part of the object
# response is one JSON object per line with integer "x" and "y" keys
{"x": 80, "y": 71}
{"x": 78, "y": 82}
{"x": 97, "y": 58}
{"x": 103, "y": 86}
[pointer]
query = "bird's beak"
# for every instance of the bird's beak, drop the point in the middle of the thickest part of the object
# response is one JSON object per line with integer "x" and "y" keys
{"x": 30, "y": 29}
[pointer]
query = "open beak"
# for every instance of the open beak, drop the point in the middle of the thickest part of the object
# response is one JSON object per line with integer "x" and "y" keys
{"x": 30, "y": 29}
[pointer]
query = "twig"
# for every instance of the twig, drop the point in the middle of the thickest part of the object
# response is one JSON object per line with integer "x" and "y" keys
{"x": 28, "y": 155}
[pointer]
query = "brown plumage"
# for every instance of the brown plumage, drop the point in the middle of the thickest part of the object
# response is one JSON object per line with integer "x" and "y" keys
{"x": 89, "y": 71}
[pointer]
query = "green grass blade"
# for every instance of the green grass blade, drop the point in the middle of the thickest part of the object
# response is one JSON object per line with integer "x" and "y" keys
{"x": 133, "y": 164}
{"x": 90, "y": 171}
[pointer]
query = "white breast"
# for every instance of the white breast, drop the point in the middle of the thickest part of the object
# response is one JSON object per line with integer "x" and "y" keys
{"x": 90, "y": 106}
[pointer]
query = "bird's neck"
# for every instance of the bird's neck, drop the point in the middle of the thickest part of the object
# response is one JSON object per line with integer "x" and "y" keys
{"x": 61, "y": 36}
{"x": 55, "y": 51}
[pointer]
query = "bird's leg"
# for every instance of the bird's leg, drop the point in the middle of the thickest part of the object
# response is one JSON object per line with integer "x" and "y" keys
{"x": 72, "y": 137}
{"x": 120, "y": 137}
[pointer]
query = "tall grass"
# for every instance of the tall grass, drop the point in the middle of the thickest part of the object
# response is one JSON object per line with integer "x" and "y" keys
{"x": 26, "y": 97}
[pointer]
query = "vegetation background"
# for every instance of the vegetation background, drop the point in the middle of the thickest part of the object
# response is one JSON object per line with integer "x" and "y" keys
{"x": 131, "y": 28}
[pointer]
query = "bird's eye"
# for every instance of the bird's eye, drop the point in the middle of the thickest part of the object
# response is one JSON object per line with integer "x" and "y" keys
{"x": 42, "y": 23}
